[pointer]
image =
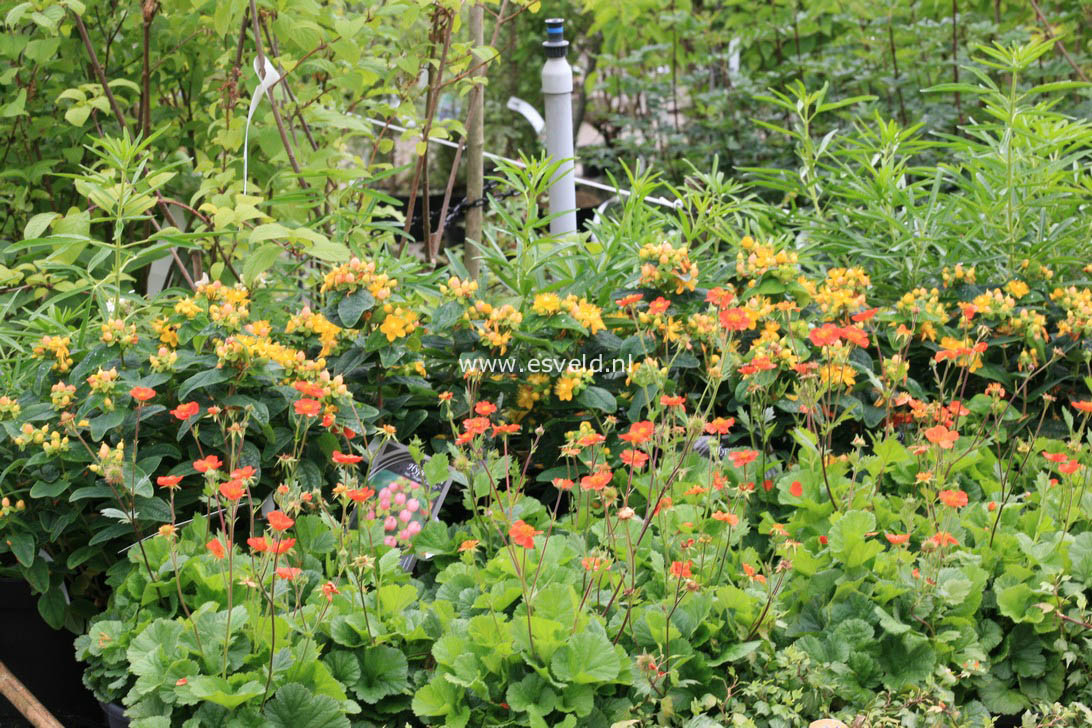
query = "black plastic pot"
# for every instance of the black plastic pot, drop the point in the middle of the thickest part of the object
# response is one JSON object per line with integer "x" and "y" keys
{"x": 43, "y": 659}
{"x": 115, "y": 715}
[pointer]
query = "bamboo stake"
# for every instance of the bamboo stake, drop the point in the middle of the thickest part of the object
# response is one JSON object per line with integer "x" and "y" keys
{"x": 24, "y": 701}
{"x": 475, "y": 173}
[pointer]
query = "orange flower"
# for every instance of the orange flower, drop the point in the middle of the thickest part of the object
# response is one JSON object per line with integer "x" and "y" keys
{"x": 953, "y": 498}
{"x": 720, "y": 426}
{"x": 258, "y": 543}
{"x": 523, "y": 534}
{"x": 672, "y": 401}
{"x": 629, "y": 300}
{"x": 825, "y": 335}
{"x": 329, "y": 590}
{"x": 308, "y": 389}
{"x": 168, "y": 481}
{"x": 634, "y": 458}
{"x": 307, "y": 407}
{"x": 345, "y": 458}
{"x": 445, "y": 396}
{"x": 735, "y": 319}
{"x": 562, "y": 483}
{"x": 730, "y": 518}
{"x": 1069, "y": 468}
{"x": 591, "y": 439}
{"x": 505, "y": 429}
{"x": 485, "y": 408}
{"x": 469, "y": 545}
{"x": 141, "y": 394}
{"x": 740, "y": 458}
{"x": 663, "y": 504}
{"x": 288, "y": 573}
{"x": 1085, "y": 406}
{"x": 186, "y": 410}
{"x": 247, "y": 471}
{"x": 476, "y": 425}
{"x": 639, "y": 432}
{"x": 681, "y": 569}
{"x": 658, "y": 306}
{"x": 864, "y": 315}
{"x": 720, "y": 297}
{"x": 282, "y": 545}
{"x": 232, "y": 490}
{"x": 897, "y": 539}
{"x": 1055, "y": 457}
{"x": 796, "y": 489}
{"x": 216, "y": 548}
{"x": 855, "y": 336}
{"x": 278, "y": 521}
{"x": 359, "y": 495}
{"x": 752, "y": 574}
{"x": 943, "y": 538}
{"x": 207, "y": 463}
{"x": 597, "y": 480}
{"x": 942, "y": 437}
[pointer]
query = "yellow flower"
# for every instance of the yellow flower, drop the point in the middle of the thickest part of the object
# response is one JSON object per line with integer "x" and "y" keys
{"x": 546, "y": 304}
{"x": 564, "y": 388}
{"x": 1017, "y": 288}
{"x": 399, "y": 323}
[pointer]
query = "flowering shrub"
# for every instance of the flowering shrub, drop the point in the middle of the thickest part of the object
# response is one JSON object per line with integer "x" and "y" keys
{"x": 118, "y": 434}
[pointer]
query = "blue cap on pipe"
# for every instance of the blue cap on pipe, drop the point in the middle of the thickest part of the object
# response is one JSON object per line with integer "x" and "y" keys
{"x": 555, "y": 44}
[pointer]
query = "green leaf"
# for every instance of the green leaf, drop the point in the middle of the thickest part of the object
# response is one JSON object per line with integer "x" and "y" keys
{"x": 1016, "y": 602}
{"x": 38, "y": 224}
{"x": 532, "y": 694}
{"x": 437, "y": 470}
{"x": 353, "y": 306}
{"x": 259, "y": 261}
{"x": 444, "y": 317}
{"x": 22, "y": 546}
{"x": 42, "y": 489}
{"x": 202, "y": 380}
{"x": 847, "y": 538}
{"x": 598, "y": 398}
{"x": 588, "y": 657}
{"x": 1080, "y": 556}
{"x": 219, "y": 691}
{"x": 103, "y": 423}
{"x": 294, "y": 706}
{"x": 384, "y": 671}
{"x": 52, "y": 606}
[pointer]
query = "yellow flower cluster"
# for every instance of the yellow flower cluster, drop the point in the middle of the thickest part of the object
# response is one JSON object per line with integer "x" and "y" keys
{"x": 571, "y": 383}
{"x": 994, "y": 303}
{"x": 457, "y": 288}
{"x": 665, "y": 263}
{"x": 359, "y": 273}
{"x": 754, "y": 259}
{"x": 57, "y": 348}
{"x": 163, "y": 360}
{"x": 110, "y": 463}
{"x": 103, "y": 380}
{"x": 115, "y": 331}
{"x": 166, "y": 331}
{"x": 9, "y": 407}
{"x": 51, "y": 441}
{"x": 314, "y": 322}
{"x": 497, "y": 323}
{"x": 546, "y": 304}
{"x": 841, "y": 292}
{"x": 399, "y": 322}
{"x": 926, "y": 310}
{"x": 1017, "y": 288}
{"x": 227, "y": 305}
{"x": 527, "y": 394}
{"x": 1077, "y": 304}
{"x": 62, "y": 395}
{"x": 959, "y": 274}
{"x": 587, "y": 314}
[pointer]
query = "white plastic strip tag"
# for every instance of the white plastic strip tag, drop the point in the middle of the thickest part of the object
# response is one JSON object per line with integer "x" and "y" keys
{"x": 265, "y": 82}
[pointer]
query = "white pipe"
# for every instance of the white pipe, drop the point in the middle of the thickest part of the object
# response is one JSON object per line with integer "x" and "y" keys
{"x": 557, "y": 92}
